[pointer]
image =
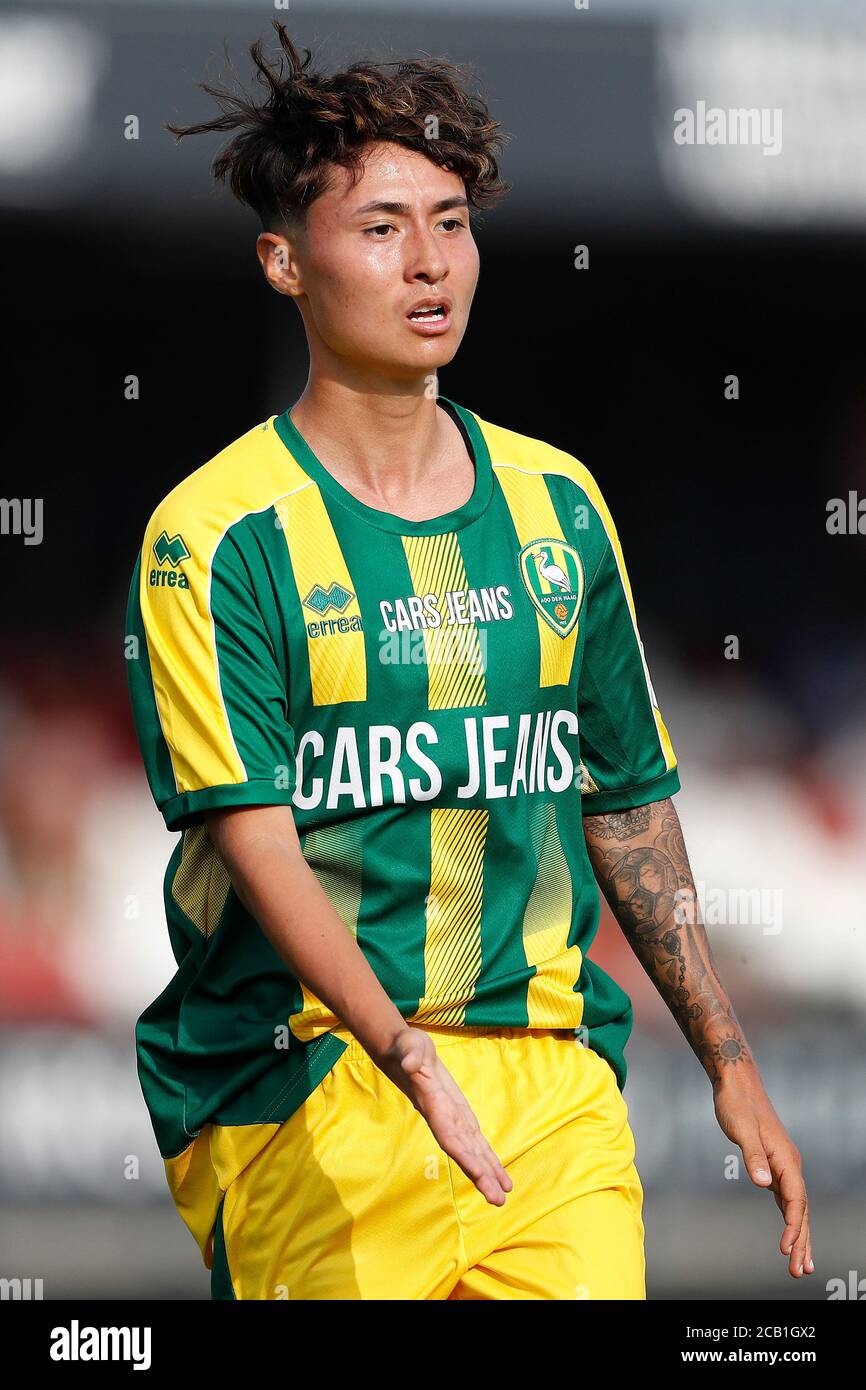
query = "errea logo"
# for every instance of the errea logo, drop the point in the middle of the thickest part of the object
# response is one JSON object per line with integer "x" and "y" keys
{"x": 170, "y": 551}
{"x": 338, "y": 597}
{"x": 335, "y": 596}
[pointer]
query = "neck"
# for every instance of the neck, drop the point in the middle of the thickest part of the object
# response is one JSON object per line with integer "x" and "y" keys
{"x": 384, "y": 440}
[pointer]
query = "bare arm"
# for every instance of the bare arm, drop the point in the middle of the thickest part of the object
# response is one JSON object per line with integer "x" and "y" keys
{"x": 672, "y": 946}
{"x": 261, "y": 851}
{"x": 639, "y": 859}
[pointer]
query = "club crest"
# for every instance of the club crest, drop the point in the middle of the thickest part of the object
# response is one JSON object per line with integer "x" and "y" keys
{"x": 553, "y": 576}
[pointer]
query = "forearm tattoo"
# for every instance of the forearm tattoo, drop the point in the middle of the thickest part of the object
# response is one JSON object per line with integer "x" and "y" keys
{"x": 639, "y": 858}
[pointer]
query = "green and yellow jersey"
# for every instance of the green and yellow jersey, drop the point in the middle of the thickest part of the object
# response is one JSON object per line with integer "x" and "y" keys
{"x": 438, "y": 701}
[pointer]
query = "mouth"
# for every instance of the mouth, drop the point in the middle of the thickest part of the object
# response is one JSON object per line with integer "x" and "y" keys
{"x": 431, "y": 317}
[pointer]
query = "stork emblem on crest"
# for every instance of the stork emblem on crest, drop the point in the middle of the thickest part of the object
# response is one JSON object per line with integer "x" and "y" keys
{"x": 553, "y": 576}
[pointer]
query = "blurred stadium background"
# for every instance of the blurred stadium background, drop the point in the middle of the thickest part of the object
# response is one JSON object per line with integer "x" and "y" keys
{"x": 703, "y": 261}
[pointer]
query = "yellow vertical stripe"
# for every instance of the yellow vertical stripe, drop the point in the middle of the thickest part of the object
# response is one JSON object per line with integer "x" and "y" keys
{"x": 452, "y": 949}
{"x": 338, "y": 660}
{"x": 534, "y": 515}
{"x": 243, "y": 479}
{"x": 195, "y": 1187}
{"x": 453, "y": 651}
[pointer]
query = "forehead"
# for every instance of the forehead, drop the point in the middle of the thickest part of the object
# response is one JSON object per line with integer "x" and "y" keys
{"x": 391, "y": 173}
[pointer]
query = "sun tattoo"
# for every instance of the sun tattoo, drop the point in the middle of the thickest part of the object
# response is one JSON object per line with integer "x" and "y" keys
{"x": 728, "y": 1051}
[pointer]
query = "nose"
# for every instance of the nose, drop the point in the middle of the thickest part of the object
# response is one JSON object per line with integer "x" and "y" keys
{"x": 425, "y": 259}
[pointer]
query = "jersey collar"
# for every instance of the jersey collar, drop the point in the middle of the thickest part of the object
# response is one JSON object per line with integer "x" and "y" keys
{"x": 386, "y": 521}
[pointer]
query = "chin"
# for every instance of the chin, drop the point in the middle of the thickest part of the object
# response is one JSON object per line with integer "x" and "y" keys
{"x": 407, "y": 355}
{"x": 436, "y": 352}
{"x": 414, "y": 364}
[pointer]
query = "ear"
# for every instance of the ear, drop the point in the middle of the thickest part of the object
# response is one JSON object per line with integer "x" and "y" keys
{"x": 279, "y": 263}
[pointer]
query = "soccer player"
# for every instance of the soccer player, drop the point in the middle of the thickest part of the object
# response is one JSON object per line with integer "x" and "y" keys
{"x": 391, "y": 691}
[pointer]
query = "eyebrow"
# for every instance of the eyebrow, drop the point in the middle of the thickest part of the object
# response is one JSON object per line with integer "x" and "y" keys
{"x": 403, "y": 209}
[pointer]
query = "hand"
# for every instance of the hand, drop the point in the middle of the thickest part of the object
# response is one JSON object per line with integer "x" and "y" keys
{"x": 746, "y": 1116}
{"x": 414, "y": 1065}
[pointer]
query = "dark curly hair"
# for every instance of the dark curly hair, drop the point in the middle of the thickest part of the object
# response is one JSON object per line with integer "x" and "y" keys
{"x": 278, "y": 162}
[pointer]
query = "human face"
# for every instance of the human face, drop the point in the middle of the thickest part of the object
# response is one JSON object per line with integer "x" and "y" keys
{"x": 368, "y": 254}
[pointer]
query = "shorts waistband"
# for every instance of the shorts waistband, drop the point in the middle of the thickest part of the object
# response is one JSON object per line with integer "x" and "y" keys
{"x": 444, "y": 1036}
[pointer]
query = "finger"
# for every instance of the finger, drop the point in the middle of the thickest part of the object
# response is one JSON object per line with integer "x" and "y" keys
{"x": 471, "y": 1149}
{"x": 501, "y": 1184}
{"x": 796, "y": 1263}
{"x": 757, "y": 1164}
{"x": 504, "y": 1177}
{"x": 492, "y": 1171}
{"x": 486, "y": 1179}
{"x": 806, "y": 1240}
{"x": 809, "y": 1265}
{"x": 481, "y": 1164}
{"x": 489, "y": 1187}
{"x": 792, "y": 1203}
{"x": 500, "y": 1173}
{"x": 795, "y": 1215}
{"x": 492, "y": 1158}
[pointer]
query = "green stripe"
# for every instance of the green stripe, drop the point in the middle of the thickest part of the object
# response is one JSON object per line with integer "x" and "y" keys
{"x": 253, "y": 687}
{"x": 392, "y": 930}
{"x": 220, "y": 1276}
{"x": 607, "y": 1013}
{"x": 603, "y": 803}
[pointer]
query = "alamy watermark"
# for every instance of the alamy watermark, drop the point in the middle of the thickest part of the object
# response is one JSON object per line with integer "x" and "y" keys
{"x": 22, "y": 516}
{"x": 713, "y": 125}
{"x": 750, "y": 907}
{"x": 21, "y": 1290}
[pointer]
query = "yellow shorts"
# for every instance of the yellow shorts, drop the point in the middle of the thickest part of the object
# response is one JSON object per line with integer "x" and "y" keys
{"x": 352, "y": 1198}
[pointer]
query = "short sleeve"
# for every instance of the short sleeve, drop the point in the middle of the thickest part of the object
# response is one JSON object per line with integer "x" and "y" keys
{"x": 208, "y": 698}
{"x": 626, "y": 752}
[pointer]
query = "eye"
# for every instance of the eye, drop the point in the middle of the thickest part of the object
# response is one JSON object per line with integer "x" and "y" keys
{"x": 455, "y": 221}
{"x": 380, "y": 226}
